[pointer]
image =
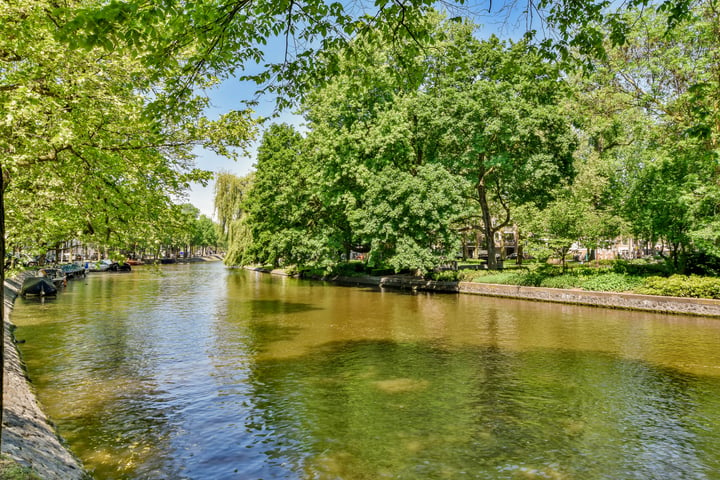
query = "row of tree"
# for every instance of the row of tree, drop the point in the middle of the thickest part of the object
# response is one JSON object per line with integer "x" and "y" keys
{"x": 413, "y": 141}
{"x": 93, "y": 145}
{"x": 102, "y": 103}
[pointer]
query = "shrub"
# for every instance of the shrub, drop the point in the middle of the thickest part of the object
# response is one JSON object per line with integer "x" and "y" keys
{"x": 312, "y": 272}
{"x": 291, "y": 270}
{"x": 682, "y": 286}
{"x": 562, "y": 281}
{"x": 640, "y": 267}
{"x": 493, "y": 276}
{"x": 611, "y": 282}
{"x": 453, "y": 275}
{"x": 445, "y": 276}
{"x": 702, "y": 263}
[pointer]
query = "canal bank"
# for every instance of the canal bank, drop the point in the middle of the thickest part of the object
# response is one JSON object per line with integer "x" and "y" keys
{"x": 624, "y": 301}
{"x": 207, "y": 372}
{"x": 28, "y": 436}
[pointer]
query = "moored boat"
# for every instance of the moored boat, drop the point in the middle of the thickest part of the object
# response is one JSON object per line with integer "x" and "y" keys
{"x": 41, "y": 286}
{"x": 55, "y": 275}
{"x": 73, "y": 270}
{"x": 101, "y": 266}
{"x": 120, "y": 267}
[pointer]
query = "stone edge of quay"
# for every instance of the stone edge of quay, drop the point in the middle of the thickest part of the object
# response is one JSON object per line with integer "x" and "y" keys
{"x": 28, "y": 435}
{"x": 623, "y": 301}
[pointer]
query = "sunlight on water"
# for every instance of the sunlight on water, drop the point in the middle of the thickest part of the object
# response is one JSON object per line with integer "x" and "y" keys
{"x": 206, "y": 373}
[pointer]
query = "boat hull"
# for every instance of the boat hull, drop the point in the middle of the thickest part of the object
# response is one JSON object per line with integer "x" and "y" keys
{"x": 39, "y": 286}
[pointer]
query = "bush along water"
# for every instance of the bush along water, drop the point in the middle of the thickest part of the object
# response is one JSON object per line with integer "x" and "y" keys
{"x": 693, "y": 286}
{"x": 619, "y": 276}
{"x": 635, "y": 276}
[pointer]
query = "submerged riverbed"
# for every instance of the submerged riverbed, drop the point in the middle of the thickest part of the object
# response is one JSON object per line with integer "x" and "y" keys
{"x": 199, "y": 372}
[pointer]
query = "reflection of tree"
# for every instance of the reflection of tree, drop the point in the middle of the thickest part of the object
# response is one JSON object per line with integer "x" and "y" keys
{"x": 367, "y": 409}
{"x": 89, "y": 363}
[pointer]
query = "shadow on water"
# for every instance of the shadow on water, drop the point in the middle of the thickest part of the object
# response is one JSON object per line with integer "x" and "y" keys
{"x": 276, "y": 379}
{"x": 273, "y": 307}
{"x": 356, "y": 410}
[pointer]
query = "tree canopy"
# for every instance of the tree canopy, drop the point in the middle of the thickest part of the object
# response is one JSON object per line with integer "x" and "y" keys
{"x": 496, "y": 130}
{"x": 191, "y": 43}
{"x": 85, "y": 154}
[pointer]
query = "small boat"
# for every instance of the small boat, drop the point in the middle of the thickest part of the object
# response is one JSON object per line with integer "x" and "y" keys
{"x": 101, "y": 266}
{"x": 55, "y": 275}
{"x": 41, "y": 286}
{"x": 120, "y": 267}
{"x": 73, "y": 270}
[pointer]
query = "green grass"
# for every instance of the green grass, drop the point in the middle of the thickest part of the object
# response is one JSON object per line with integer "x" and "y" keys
{"x": 11, "y": 470}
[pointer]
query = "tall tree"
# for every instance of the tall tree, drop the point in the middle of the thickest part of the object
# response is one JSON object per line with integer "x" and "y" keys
{"x": 662, "y": 129}
{"x": 504, "y": 126}
{"x": 285, "y": 215}
{"x": 84, "y": 149}
{"x": 379, "y": 179}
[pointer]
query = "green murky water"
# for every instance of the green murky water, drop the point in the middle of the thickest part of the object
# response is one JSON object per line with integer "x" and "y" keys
{"x": 208, "y": 373}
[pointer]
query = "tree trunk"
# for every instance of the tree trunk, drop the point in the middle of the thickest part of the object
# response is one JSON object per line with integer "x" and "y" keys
{"x": 487, "y": 225}
{"x": 464, "y": 246}
{"x": 2, "y": 299}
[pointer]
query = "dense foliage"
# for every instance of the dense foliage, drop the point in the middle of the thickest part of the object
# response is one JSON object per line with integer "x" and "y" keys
{"x": 102, "y": 112}
{"x": 406, "y": 148}
{"x": 89, "y": 150}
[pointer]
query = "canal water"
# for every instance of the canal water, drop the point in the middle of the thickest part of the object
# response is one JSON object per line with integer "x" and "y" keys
{"x": 200, "y": 372}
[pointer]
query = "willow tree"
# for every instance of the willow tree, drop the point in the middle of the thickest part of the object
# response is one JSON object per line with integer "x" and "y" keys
{"x": 88, "y": 148}
{"x": 230, "y": 196}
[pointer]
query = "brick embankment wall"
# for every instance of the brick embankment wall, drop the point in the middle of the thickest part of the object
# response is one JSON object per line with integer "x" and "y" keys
{"x": 27, "y": 435}
{"x": 628, "y": 301}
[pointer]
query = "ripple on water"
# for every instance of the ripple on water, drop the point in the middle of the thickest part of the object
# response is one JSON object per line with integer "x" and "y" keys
{"x": 201, "y": 373}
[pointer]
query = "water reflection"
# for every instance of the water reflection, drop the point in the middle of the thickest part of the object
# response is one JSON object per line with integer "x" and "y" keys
{"x": 387, "y": 410}
{"x": 203, "y": 373}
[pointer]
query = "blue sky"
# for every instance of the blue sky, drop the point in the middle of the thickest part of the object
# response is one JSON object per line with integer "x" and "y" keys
{"x": 504, "y": 21}
{"x": 228, "y": 96}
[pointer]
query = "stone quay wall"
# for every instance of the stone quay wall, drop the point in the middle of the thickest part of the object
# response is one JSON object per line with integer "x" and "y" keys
{"x": 627, "y": 301}
{"x": 28, "y": 436}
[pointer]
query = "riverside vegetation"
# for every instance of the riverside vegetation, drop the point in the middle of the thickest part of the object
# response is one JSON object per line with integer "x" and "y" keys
{"x": 421, "y": 127}
{"x": 415, "y": 147}
{"x": 11, "y": 470}
{"x": 645, "y": 277}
